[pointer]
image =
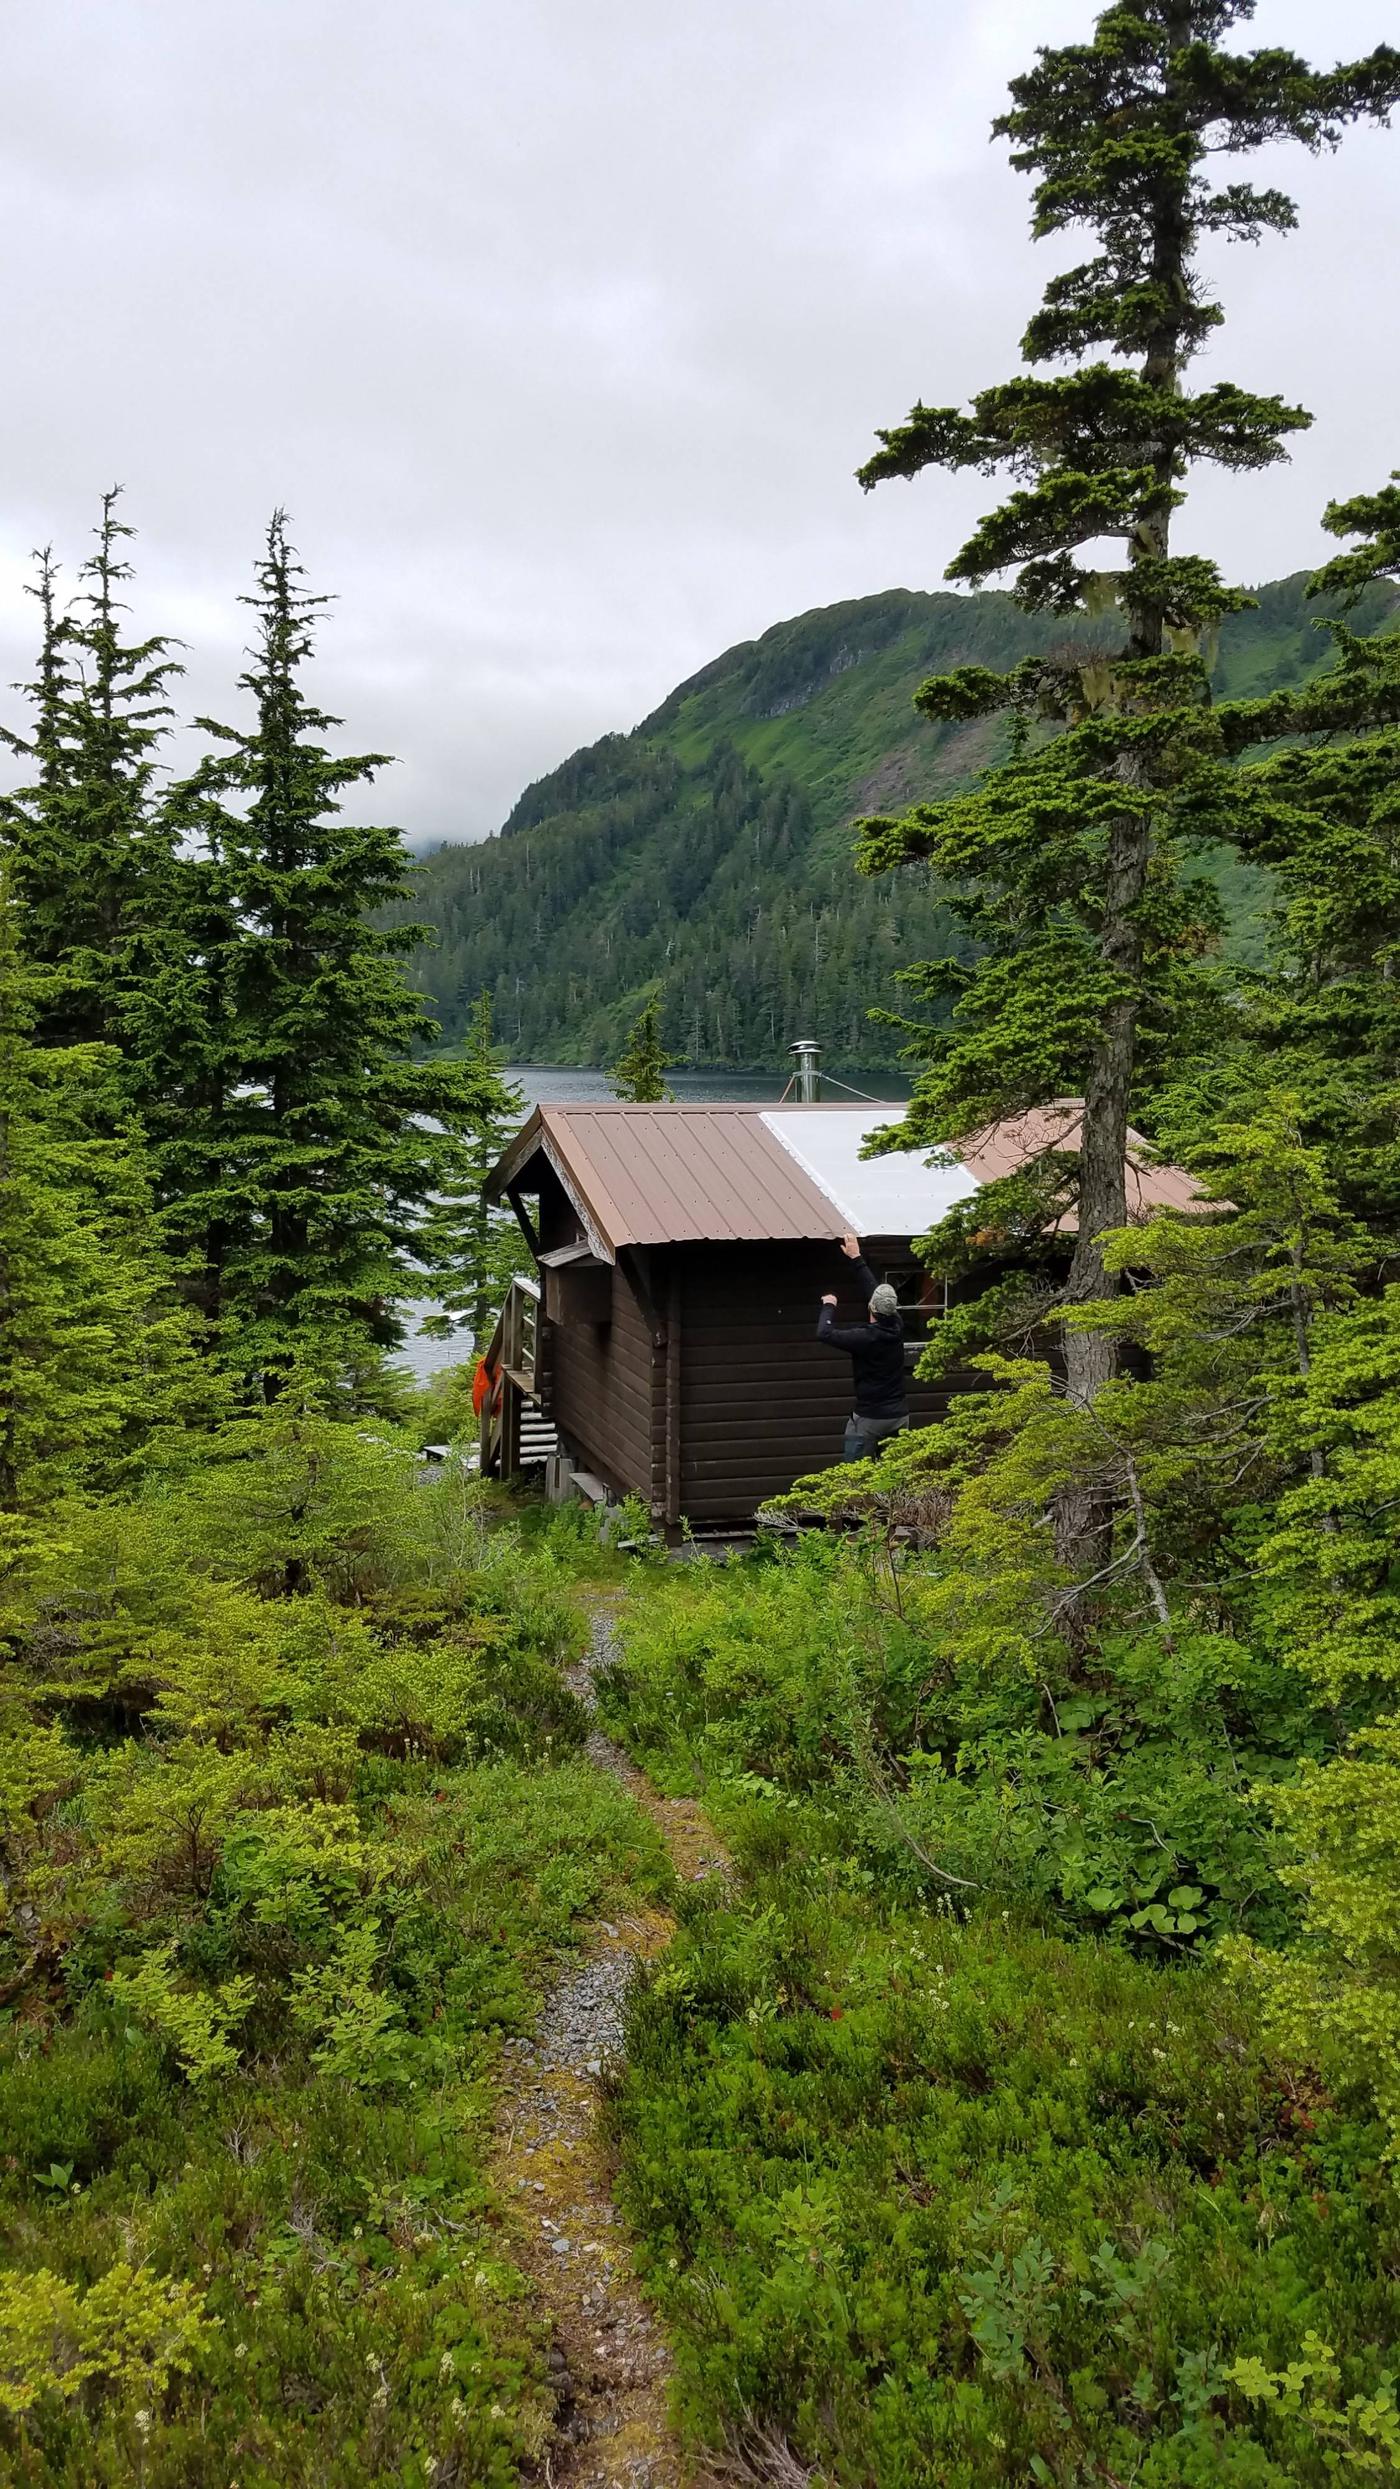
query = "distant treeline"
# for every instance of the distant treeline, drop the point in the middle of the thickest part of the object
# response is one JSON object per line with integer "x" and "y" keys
{"x": 701, "y": 877}
{"x": 711, "y": 849}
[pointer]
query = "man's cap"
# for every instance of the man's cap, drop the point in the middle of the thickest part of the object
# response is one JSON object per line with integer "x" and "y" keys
{"x": 883, "y": 1299}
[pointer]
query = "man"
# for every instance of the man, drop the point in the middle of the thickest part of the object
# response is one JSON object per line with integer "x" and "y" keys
{"x": 876, "y": 1350}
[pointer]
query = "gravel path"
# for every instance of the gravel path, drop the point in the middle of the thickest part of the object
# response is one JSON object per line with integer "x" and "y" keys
{"x": 608, "y": 2362}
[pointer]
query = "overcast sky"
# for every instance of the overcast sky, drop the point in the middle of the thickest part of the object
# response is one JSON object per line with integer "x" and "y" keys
{"x": 559, "y": 326}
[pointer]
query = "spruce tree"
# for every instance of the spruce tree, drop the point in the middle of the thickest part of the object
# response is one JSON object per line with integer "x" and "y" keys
{"x": 25, "y": 814}
{"x": 90, "y": 842}
{"x": 96, "y": 1355}
{"x": 1066, "y": 865}
{"x": 639, "y": 1074}
{"x": 182, "y": 1050}
{"x": 344, "y": 1143}
{"x": 122, "y": 902}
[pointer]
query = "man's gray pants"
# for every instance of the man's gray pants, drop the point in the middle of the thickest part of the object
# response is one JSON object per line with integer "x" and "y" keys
{"x": 864, "y": 1435}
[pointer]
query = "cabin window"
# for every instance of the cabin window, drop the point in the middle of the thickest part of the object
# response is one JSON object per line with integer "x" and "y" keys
{"x": 922, "y": 1294}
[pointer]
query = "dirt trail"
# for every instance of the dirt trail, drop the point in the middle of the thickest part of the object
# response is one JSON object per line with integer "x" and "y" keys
{"x": 608, "y": 2362}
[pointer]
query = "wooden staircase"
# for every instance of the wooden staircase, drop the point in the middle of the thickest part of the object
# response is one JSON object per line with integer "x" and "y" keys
{"x": 538, "y": 1440}
{"x": 516, "y": 1430}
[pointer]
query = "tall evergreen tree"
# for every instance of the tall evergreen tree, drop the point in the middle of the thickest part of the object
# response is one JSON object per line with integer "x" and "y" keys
{"x": 639, "y": 1074}
{"x": 45, "y": 747}
{"x": 346, "y": 1142}
{"x": 89, "y": 838}
{"x": 123, "y": 902}
{"x": 1065, "y": 863}
{"x": 96, "y": 1354}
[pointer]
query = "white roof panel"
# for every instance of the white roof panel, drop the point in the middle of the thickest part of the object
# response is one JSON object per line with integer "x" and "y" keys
{"x": 899, "y": 1195}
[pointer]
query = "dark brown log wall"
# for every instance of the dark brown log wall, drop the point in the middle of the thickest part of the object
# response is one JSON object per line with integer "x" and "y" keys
{"x": 602, "y": 1393}
{"x": 762, "y": 1401}
{"x": 708, "y": 1390}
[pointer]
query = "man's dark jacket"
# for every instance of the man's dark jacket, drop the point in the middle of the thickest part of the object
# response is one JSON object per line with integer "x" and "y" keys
{"x": 876, "y": 1351}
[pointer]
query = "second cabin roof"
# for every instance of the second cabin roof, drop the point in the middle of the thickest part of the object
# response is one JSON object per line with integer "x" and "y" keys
{"x": 742, "y": 1174}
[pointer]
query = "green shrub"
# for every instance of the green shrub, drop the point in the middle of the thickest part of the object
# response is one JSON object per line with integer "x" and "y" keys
{"x": 293, "y": 1822}
{"x": 814, "y": 1676}
{"x": 962, "y": 2202}
{"x": 935, "y": 2182}
{"x": 127, "y": 2334}
{"x": 195, "y": 2023}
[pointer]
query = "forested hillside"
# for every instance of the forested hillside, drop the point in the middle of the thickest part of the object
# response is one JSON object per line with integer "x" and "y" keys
{"x": 710, "y": 848}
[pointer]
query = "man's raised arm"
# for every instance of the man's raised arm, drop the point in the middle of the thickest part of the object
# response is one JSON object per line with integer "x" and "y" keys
{"x": 847, "y": 1335}
{"x": 850, "y": 1246}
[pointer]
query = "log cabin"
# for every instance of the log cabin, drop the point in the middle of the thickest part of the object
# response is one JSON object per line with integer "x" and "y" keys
{"x": 667, "y": 1344}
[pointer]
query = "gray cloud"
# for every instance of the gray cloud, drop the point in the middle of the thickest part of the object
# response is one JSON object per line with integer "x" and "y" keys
{"x": 560, "y": 329}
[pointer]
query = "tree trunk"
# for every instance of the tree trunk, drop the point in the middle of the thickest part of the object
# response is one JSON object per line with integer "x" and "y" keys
{"x": 1090, "y": 1357}
{"x": 1103, "y": 1195}
{"x": 1084, "y": 1515}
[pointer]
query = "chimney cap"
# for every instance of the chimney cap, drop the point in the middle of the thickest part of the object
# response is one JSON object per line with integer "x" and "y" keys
{"x": 806, "y": 1072}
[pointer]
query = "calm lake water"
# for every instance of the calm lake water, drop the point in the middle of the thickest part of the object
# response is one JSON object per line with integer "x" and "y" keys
{"x": 565, "y": 1084}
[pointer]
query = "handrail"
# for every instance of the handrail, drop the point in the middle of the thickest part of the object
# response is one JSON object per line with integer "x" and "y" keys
{"x": 513, "y": 1359}
{"x": 520, "y": 1342}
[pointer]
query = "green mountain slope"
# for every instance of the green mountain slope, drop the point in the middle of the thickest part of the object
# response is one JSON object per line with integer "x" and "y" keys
{"x": 710, "y": 848}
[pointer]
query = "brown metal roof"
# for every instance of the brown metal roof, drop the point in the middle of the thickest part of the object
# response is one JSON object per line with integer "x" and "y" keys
{"x": 677, "y": 1174}
{"x": 999, "y": 1149}
{"x": 650, "y": 1175}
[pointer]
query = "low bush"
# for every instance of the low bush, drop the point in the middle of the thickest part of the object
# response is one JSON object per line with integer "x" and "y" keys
{"x": 282, "y": 1867}
{"x": 927, "y": 2201}
{"x": 1128, "y": 1801}
{"x": 957, "y": 2155}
